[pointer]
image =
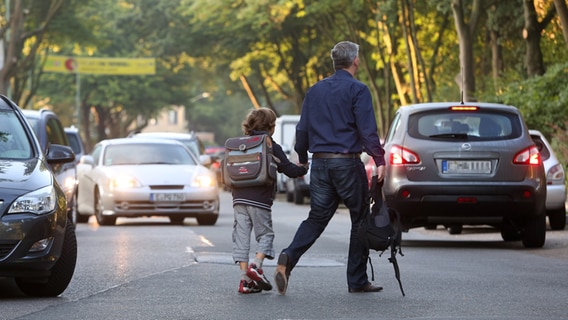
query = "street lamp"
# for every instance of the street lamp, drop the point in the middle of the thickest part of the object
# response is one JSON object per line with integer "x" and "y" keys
{"x": 202, "y": 95}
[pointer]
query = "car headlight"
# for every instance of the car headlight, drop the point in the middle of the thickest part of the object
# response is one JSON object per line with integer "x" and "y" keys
{"x": 38, "y": 202}
{"x": 124, "y": 182}
{"x": 203, "y": 181}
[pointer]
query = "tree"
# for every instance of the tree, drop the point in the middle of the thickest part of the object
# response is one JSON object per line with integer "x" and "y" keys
{"x": 562, "y": 10}
{"x": 23, "y": 36}
{"x": 532, "y": 35}
{"x": 466, "y": 33}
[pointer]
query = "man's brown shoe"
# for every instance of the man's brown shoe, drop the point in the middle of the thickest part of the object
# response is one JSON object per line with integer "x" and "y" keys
{"x": 282, "y": 273}
{"x": 369, "y": 287}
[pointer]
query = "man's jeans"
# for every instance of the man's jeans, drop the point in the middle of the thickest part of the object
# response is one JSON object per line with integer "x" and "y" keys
{"x": 333, "y": 180}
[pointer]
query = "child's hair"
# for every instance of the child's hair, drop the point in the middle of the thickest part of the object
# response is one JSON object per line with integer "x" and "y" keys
{"x": 262, "y": 119}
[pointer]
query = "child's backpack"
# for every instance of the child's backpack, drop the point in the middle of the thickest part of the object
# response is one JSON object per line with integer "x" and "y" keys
{"x": 248, "y": 162}
{"x": 381, "y": 229}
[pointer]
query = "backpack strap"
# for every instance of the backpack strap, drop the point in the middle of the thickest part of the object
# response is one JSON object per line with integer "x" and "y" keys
{"x": 392, "y": 260}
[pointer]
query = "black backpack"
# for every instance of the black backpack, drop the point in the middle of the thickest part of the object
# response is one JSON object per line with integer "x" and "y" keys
{"x": 381, "y": 229}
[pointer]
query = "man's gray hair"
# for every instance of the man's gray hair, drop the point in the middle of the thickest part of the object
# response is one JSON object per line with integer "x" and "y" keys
{"x": 343, "y": 54}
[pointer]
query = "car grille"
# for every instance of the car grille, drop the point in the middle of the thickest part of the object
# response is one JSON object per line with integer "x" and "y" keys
{"x": 6, "y": 247}
{"x": 148, "y": 206}
{"x": 167, "y": 187}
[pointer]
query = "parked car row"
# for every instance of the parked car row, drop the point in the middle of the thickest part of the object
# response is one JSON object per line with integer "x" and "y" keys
{"x": 50, "y": 182}
{"x": 38, "y": 246}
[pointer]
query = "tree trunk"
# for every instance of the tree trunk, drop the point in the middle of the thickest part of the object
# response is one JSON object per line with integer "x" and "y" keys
{"x": 496, "y": 57}
{"x": 562, "y": 11}
{"x": 531, "y": 34}
{"x": 466, "y": 78}
{"x": 10, "y": 56}
{"x": 410, "y": 57}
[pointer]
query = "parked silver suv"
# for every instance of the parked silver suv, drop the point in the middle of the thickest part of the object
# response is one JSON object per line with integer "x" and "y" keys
{"x": 461, "y": 164}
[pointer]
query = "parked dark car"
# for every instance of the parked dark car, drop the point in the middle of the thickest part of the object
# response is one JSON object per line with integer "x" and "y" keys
{"x": 75, "y": 142}
{"x": 460, "y": 164}
{"x": 49, "y": 130}
{"x": 38, "y": 247}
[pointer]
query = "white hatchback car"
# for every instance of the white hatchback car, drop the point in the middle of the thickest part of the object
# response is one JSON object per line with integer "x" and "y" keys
{"x": 555, "y": 186}
{"x": 147, "y": 177}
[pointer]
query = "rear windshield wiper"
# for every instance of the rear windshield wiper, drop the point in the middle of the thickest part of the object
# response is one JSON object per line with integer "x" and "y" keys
{"x": 450, "y": 135}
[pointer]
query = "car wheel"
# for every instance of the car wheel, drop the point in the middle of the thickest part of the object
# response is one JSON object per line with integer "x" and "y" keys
{"x": 207, "y": 220}
{"x": 177, "y": 220}
{"x": 80, "y": 217}
{"x": 298, "y": 196}
{"x": 534, "y": 233}
{"x": 99, "y": 208}
{"x": 289, "y": 196}
{"x": 61, "y": 273}
{"x": 455, "y": 229}
{"x": 510, "y": 231}
{"x": 557, "y": 219}
{"x": 72, "y": 212}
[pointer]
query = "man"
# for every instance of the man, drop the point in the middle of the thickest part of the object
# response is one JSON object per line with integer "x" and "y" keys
{"x": 337, "y": 121}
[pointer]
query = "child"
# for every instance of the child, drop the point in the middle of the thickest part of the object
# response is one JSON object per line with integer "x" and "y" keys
{"x": 253, "y": 209}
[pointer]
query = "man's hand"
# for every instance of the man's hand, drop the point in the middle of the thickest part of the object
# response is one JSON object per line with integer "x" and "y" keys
{"x": 380, "y": 173}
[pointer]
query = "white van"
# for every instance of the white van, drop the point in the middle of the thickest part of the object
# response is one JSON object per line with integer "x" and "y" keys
{"x": 285, "y": 135}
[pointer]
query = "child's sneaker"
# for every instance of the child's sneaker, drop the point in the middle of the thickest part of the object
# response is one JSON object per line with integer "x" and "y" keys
{"x": 258, "y": 276}
{"x": 248, "y": 287}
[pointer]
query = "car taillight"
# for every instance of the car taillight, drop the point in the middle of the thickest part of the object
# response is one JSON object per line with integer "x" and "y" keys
{"x": 464, "y": 108}
{"x": 400, "y": 155}
{"x": 555, "y": 173}
{"x": 528, "y": 156}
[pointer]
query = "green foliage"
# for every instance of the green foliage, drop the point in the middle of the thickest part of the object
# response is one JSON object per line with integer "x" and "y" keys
{"x": 282, "y": 48}
{"x": 543, "y": 101}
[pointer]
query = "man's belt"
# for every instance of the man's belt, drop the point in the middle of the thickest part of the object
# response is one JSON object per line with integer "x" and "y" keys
{"x": 329, "y": 155}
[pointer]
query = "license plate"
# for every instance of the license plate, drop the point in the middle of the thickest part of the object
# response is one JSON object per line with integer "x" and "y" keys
{"x": 460, "y": 166}
{"x": 167, "y": 197}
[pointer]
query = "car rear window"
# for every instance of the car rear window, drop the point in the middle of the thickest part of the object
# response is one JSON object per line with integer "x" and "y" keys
{"x": 474, "y": 125}
{"x": 542, "y": 149}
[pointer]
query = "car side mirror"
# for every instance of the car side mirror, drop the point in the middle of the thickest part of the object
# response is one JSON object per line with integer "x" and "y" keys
{"x": 57, "y": 153}
{"x": 205, "y": 159}
{"x": 87, "y": 160}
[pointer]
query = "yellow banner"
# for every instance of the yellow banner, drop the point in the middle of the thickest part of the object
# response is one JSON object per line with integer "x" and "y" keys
{"x": 109, "y": 66}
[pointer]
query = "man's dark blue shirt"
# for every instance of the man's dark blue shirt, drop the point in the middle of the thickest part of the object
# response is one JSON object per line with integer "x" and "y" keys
{"x": 338, "y": 117}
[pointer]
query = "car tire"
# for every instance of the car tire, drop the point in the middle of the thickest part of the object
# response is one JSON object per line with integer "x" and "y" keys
{"x": 557, "y": 219}
{"x": 207, "y": 220}
{"x": 534, "y": 233}
{"x": 177, "y": 220}
{"x": 61, "y": 272}
{"x": 289, "y": 196}
{"x": 81, "y": 218}
{"x": 298, "y": 195}
{"x": 99, "y": 208}
{"x": 455, "y": 229}
{"x": 510, "y": 231}
{"x": 72, "y": 212}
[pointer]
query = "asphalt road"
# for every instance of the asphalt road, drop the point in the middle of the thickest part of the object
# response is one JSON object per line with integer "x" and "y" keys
{"x": 149, "y": 269}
